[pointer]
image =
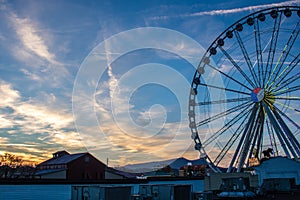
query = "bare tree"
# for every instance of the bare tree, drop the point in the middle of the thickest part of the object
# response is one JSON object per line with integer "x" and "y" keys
{"x": 9, "y": 163}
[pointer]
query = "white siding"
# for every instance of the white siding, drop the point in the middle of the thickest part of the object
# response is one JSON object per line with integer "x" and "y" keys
{"x": 35, "y": 192}
{"x": 63, "y": 192}
{"x": 278, "y": 167}
{"x": 55, "y": 175}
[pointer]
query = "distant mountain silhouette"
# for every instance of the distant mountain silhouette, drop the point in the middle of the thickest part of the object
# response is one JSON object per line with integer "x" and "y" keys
{"x": 175, "y": 164}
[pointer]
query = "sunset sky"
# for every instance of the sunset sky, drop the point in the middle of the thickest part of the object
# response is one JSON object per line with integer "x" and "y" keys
{"x": 130, "y": 104}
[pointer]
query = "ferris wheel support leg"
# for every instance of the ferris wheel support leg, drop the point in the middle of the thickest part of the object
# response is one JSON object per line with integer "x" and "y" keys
{"x": 258, "y": 134}
{"x": 289, "y": 134}
{"x": 230, "y": 168}
{"x": 248, "y": 139}
{"x": 279, "y": 132}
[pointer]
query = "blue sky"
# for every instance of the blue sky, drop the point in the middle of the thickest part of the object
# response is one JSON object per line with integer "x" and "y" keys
{"x": 44, "y": 44}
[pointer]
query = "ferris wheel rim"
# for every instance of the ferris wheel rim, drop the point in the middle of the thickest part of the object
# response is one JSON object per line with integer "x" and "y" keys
{"x": 219, "y": 42}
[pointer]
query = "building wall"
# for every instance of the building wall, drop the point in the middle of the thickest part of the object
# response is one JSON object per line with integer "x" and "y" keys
{"x": 214, "y": 181}
{"x": 55, "y": 175}
{"x": 278, "y": 167}
{"x": 86, "y": 167}
{"x": 111, "y": 175}
{"x": 37, "y": 190}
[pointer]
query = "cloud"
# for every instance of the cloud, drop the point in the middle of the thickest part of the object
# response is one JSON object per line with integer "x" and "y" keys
{"x": 229, "y": 11}
{"x": 29, "y": 43}
{"x": 237, "y": 10}
{"x": 31, "y": 75}
{"x": 3, "y": 140}
{"x": 117, "y": 135}
{"x": 29, "y": 36}
{"x": 8, "y": 95}
{"x": 72, "y": 138}
{"x": 5, "y": 123}
{"x": 30, "y": 153}
{"x": 30, "y": 127}
{"x": 124, "y": 143}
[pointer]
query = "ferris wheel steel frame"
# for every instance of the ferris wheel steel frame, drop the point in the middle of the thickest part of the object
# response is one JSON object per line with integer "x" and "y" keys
{"x": 261, "y": 88}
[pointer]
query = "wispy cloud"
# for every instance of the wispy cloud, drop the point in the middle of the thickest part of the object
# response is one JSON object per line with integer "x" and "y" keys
{"x": 113, "y": 82}
{"x": 37, "y": 125}
{"x": 31, "y": 43}
{"x": 125, "y": 142}
{"x": 29, "y": 36}
{"x": 8, "y": 95}
{"x": 229, "y": 11}
{"x": 243, "y": 9}
{"x": 3, "y": 140}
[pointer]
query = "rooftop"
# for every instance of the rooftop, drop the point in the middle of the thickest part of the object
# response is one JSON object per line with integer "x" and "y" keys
{"x": 62, "y": 159}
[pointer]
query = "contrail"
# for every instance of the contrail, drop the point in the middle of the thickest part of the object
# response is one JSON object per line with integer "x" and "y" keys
{"x": 249, "y": 8}
{"x": 113, "y": 82}
{"x": 230, "y": 11}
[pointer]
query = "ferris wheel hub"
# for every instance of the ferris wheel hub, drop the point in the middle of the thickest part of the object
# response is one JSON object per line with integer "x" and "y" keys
{"x": 257, "y": 95}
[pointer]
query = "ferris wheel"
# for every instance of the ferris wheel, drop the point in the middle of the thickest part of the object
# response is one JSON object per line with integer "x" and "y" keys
{"x": 244, "y": 103}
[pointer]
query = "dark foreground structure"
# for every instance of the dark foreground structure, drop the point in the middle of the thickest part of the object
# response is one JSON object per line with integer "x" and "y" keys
{"x": 156, "y": 188}
{"x": 150, "y": 188}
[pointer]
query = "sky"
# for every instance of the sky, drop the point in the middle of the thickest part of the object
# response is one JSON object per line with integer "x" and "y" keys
{"x": 108, "y": 77}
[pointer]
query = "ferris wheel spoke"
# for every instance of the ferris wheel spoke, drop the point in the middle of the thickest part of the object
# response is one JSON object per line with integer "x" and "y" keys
{"x": 271, "y": 135}
{"x": 237, "y": 66}
{"x": 280, "y": 84}
{"x": 258, "y": 53}
{"x": 260, "y": 136}
{"x": 258, "y": 133}
{"x": 230, "y": 142}
{"x": 287, "y": 117}
{"x": 287, "y": 90}
{"x": 223, "y": 88}
{"x": 284, "y": 54}
{"x": 246, "y": 56}
{"x": 230, "y": 77}
{"x": 241, "y": 142}
{"x": 279, "y": 132}
{"x": 287, "y": 106}
{"x": 292, "y": 142}
{"x": 288, "y": 82}
{"x": 287, "y": 98}
{"x": 222, "y": 114}
{"x": 272, "y": 48}
{"x": 248, "y": 139}
{"x": 223, "y": 101}
{"x": 226, "y": 127}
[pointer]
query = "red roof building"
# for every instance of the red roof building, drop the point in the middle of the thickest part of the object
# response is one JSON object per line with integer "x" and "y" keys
{"x": 79, "y": 166}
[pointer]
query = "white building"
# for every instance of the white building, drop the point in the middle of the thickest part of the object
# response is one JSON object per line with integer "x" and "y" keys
{"x": 278, "y": 167}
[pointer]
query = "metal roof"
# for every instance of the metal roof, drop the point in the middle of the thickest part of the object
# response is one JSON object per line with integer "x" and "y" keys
{"x": 47, "y": 171}
{"x": 65, "y": 159}
{"x": 122, "y": 173}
